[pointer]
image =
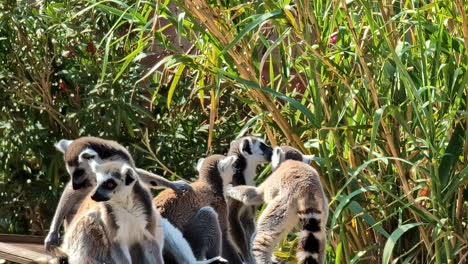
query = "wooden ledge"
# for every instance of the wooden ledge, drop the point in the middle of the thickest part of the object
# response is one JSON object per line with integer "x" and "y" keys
{"x": 22, "y": 249}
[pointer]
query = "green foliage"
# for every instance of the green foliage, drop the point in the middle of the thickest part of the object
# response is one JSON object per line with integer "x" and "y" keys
{"x": 377, "y": 89}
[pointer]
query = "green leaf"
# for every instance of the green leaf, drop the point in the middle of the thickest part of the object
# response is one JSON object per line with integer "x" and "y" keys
{"x": 174, "y": 83}
{"x": 452, "y": 153}
{"x": 338, "y": 253}
{"x": 356, "y": 209}
{"x": 290, "y": 100}
{"x": 391, "y": 242}
{"x": 452, "y": 187}
{"x": 375, "y": 126}
{"x": 346, "y": 200}
{"x": 251, "y": 26}
{"x": 248, "y": 124}
{"x": 361, "y": 253}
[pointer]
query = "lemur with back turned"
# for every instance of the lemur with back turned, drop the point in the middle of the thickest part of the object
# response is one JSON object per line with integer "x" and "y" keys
{"x": 215, "y": 173}
{"x": 250, "y": 151}
{"x": 294, "y": 195}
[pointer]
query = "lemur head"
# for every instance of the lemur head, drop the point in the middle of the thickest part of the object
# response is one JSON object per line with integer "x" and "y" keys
{"x": 78, "y": 152}
{"x": 217, "y": 169}
{"x": 113, "y": 179}
{"x": 283, "y": 153}
{"x": 251, "y": 148}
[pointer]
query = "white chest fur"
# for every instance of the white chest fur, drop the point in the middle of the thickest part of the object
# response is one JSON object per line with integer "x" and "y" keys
{"x": 250, "y": 173}
{"x": 132, "y": 222}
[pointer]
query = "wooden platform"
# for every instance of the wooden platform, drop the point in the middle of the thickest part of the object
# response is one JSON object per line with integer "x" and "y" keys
{"x": 21, "y": 248}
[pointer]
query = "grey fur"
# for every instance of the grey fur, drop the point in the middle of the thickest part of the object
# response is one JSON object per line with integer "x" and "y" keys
{"x": 203, "y": 232}
{"x": 176, "y": 246}
{"x": 294, "y": 196}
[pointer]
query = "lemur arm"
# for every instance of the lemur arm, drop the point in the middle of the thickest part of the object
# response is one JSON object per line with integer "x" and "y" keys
{"x": 249, "y": 195}
{"x": 154, "y": 180}
{"x": 67, "y": 203}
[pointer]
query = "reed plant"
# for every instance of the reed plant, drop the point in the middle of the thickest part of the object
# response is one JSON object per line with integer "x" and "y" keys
{"x": 377, "y": 90}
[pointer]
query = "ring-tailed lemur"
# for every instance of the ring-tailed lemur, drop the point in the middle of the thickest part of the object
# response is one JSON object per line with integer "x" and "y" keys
{"x": 294, "y": 194}
{"x": 83, "y": 179}
{"x": 215, "y": 173}
{"x": 250, "y": 152}
{"x": 116, "y": 223}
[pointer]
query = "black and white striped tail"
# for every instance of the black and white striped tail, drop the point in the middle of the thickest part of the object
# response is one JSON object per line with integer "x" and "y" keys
{"x": 311, "y": 247}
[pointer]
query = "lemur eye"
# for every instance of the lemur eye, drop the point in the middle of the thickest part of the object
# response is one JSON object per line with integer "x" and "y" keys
{"x": 110, "y": 185}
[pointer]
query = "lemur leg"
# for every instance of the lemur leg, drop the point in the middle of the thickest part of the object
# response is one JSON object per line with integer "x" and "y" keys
{"x": 68, "y": 201}
{"x": 176, "y": 248}
{"x": 277, "y": 218}
{"x": 247, "y": 220}
{"x": 236, "y": 229}
{"x": 120, "y": 253}
{"x": 249, "y": 195}
{"x": 152, "y": 253}
{"x": 154, "y": 180}
{"x": 243, "y": 220}
{"x": 229, "y": 251}
{"x": 203, "y": 233}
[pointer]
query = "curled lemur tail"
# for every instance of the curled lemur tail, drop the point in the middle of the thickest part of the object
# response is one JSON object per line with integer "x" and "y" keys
{"x": 311, "y": 247}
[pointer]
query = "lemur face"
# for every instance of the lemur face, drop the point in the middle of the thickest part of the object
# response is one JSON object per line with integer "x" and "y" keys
{"x": 113, "y": 178}
{"x": 226, "y": 169}
{"x": 255, "y": 149}
{"x": 280, "y": 154}
{"x": 80, "y": 171}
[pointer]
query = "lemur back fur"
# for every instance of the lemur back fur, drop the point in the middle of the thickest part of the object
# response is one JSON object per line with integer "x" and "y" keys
{"x": 208, "y": 190}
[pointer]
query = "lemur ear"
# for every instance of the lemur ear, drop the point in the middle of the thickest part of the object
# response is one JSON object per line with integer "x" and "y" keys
{"x": 62, "y": 145}
{"x": 129, "y": 174}
{"x": 226, "y": 162}
{"x": 199, "y": 164}
{"x": 277, "y": 157}
{"x": 307, "y": 158}
{"x": 245, "y": 147}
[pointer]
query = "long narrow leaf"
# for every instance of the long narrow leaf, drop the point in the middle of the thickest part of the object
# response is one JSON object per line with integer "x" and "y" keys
{"x": 392, "y": 241}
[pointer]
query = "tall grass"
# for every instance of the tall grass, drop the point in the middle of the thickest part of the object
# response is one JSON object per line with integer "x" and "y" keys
{"x": 377, "y": 90}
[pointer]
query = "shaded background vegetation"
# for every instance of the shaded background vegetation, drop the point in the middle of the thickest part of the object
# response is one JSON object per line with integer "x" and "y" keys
{"x": 377, "y": 89}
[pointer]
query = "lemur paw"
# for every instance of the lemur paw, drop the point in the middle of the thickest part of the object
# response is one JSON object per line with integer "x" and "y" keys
{"x": 181, "y": 186}
{"x": 275, "y": 260}
{"x": 230, "y": 191}
{"x": 51, "y": 241}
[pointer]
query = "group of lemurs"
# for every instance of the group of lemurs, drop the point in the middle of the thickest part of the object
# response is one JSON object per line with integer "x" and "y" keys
{"x": 110, "y": 216}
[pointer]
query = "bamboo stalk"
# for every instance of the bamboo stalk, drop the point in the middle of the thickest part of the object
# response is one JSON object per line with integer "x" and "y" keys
{"x": 459, "y": 4}
{"x": 211, "y": 20}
